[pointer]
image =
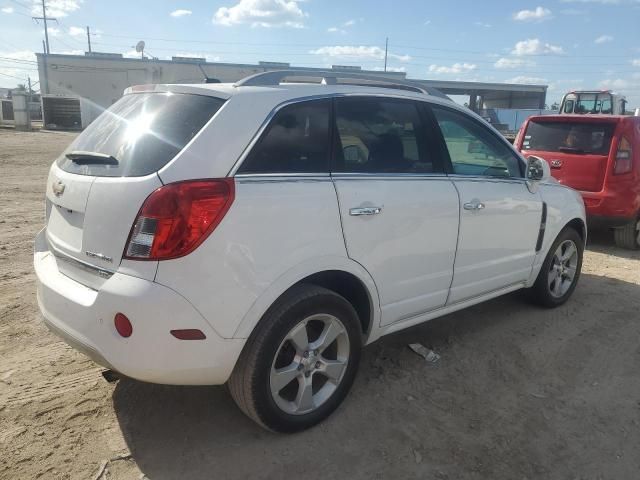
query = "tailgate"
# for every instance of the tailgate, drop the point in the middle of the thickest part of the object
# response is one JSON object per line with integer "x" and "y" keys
{"x": 89, "y": 220}
{"x": 577, "y": 148}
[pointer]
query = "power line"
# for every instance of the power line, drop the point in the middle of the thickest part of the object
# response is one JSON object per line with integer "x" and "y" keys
{"x": 12, "y": 76}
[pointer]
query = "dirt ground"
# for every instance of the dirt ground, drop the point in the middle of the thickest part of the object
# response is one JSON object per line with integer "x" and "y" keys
{"x": 519, "y": 392}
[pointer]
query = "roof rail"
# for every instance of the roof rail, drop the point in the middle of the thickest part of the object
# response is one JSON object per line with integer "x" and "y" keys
{"x": 328, "y": 77}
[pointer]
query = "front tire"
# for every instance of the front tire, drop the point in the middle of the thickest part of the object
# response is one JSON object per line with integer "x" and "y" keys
{"x": 560, "y": 271}
{"x": 628, "y": 237}
{"x": 300, "y": 361}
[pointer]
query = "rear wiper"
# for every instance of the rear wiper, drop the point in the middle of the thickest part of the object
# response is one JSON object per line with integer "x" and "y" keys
{"x": 571, "y": 149}
{"x": 91, "y": 158}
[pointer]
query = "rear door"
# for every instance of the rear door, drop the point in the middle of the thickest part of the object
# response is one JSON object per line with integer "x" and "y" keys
{"x": 399, "y": 210}
{"x": 577, "y": 149}
{"x": 499, "y": 217}
{"x": 99, "y": 183}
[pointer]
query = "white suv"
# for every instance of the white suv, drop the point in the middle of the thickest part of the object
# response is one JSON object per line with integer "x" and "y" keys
{"x": 261, "y": 233}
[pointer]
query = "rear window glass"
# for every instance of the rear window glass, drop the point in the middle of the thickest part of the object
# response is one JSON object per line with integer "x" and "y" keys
{"x": 142, "y": 132}
{"x": 567, "y": 137}
{"x": 296, "y": 141}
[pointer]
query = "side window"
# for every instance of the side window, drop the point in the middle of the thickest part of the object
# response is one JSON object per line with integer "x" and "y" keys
{"x": 378, "y": 135}
{"x": 296, "y": 141}
{"x": 474, "y": 149}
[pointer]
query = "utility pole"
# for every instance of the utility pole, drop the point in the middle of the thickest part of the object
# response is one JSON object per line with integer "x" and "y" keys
{"x": 88, "y": 38}
{"x": 386, "y": 51}
{"x": 46, "y": 31}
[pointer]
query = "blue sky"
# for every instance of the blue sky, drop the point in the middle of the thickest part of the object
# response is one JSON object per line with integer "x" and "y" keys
{"x": 566, "y": 44}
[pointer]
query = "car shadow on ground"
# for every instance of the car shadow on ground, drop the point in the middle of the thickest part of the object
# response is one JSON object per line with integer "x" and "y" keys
{"x": 601, "y": 241}
{"x": 506, "y": 367}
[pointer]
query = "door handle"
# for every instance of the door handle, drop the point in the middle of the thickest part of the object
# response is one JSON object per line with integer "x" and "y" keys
{"x": 474, "y": 206}
{"x": 356, "y": 212}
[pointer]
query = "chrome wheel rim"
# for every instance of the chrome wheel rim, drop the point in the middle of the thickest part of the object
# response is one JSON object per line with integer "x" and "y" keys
{"x": 309, "y": 364}
{"x": 563, "y": 268}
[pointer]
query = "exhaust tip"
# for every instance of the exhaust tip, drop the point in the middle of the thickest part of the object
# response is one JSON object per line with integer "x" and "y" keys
{"x": 110, "y": 376}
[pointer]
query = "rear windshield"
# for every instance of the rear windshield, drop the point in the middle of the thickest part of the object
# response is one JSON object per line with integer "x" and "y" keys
{"x": 567, "y": 137}
{"x": 142, "y": 132}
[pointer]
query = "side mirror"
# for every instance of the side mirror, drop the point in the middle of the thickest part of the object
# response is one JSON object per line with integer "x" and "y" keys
{"x": 538, "y": 170}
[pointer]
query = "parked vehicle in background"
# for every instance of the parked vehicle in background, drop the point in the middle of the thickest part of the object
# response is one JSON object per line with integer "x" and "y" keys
{"x": 261, "y": 233}
{"x": 593, "y": 102}
{"x": 599, "y": 155}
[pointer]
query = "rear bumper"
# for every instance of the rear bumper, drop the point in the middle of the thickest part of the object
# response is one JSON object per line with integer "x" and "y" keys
{"x": 608, "y": 210}
{"x": 83, "y": 317}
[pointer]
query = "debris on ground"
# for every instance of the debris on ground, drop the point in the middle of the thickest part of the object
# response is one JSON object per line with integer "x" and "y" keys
{"x": 426, "y": 353}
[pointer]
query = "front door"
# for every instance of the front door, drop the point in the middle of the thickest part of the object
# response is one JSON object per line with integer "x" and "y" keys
{"x": 499, "y": 217}
{"x": 399, "y": 210}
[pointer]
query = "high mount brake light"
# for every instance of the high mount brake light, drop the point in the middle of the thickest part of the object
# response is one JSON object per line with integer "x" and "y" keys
{"x": 178, "y": 217}
{"x": 624, "y": 157}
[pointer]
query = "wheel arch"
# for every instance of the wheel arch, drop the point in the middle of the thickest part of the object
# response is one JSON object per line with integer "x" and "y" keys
{"x": 343, "y": 276}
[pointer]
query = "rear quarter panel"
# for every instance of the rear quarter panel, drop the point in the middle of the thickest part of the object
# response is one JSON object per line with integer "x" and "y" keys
{"x": 274, "y": 227}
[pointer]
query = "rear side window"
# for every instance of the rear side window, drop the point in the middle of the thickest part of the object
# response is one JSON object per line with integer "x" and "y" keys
{"x": 296, "y": 141}
{"x": 568, "y": 137}
{"x": 142, "y": 132}
{"x": 378, "y": 135}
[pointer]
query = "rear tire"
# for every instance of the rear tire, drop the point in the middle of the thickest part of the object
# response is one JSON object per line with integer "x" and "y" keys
{"x": 560, "y": 271}
{"x": 628, "y": 237}
{"x": 300, "y": 361}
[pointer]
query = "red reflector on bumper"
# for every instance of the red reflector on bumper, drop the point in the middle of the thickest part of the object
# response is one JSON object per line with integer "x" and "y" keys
{"x": 123, "y": 325}
{"x": 188, "y": 334}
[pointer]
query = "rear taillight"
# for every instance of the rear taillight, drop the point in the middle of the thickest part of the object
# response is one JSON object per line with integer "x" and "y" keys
{"x": 624, "y": 157}
{"x": 178, "y": 217}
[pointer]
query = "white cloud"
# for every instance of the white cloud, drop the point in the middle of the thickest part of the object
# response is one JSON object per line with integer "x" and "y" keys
{"x": 534, "y": 46}
{"x": 455, "y": 68}
{"x": 180, "y": 13}
{"x": 636, "y": 62}
{"x": 54, "y": 31}
{"x": 72, "y": 52}
{"x": 17, "y": 71}
{"x": 537, "y": 15}
{"x": 208, "y": 58}
{"x": 526, "y": 80}
{"x": 510, "y": 62}
{"x": 77, "y": 31}
{"x": 603, "y": 39}
{"x": 7, "y": 10}
{"x": 615, "y": 83}
{"x": 343, "y": 28}
{"x": 357, "y": 52}
{"x": 262, "y": 13}
{"x": 427, "y": 22}
{"x": 56, "y": 8}
{"x": 390, "y": 69}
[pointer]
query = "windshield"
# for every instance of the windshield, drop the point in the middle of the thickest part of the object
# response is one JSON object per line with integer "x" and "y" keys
{"x": 589, "y": 103}
{"x": 141, "y": 132}
{"x": 568, "y": 137}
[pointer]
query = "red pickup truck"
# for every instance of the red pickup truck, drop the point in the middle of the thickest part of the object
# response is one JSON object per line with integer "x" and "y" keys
{"x": 599, "y": 155}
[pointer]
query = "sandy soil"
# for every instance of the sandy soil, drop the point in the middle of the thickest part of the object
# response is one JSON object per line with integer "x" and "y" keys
{"x": 519, "y": 392}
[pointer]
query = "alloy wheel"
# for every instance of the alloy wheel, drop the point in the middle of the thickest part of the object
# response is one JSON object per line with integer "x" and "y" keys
{"x": 309, "y": 364}
{"x": 563, "y": 268}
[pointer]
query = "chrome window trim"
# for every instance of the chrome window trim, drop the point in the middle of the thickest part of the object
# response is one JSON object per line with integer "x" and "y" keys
{"x": 245, "y": 153}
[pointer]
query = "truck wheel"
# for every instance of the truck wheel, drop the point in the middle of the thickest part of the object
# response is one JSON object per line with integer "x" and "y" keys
{"x": 300, "y": 361}
{"x": 628, "y": 236}
{"x": 560, "y": 271}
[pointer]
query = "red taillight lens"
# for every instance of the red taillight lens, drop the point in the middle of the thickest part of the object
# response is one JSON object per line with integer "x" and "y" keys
{"x": 177, "y": 217}
{"x": 624, "y": 157}
{"x": 123, "y": 325}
